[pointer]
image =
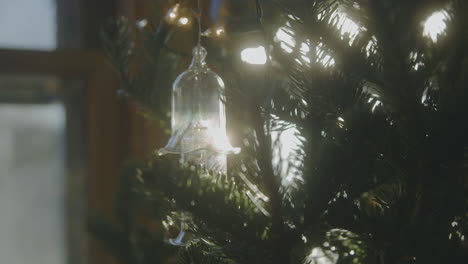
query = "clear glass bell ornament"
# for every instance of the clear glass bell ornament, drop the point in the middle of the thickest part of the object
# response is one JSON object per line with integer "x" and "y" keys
{"x": 199, "y": 117}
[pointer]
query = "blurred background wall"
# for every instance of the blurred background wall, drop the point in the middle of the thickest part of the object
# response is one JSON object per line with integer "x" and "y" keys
{"x": 63, "y": 130}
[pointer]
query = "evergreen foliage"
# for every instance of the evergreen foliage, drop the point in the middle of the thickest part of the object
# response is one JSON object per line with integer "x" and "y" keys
{"x": 380, "y": 174}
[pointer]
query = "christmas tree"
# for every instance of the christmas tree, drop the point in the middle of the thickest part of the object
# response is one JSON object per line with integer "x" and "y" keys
{"x": 351, "y": 116}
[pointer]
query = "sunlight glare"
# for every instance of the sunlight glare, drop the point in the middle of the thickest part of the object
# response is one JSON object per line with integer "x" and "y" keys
{"x": 424, "y": 96}
{"x": 254, "y": 55}
{"x": 348, "y": 28}
{"x": 285, "y": 157}
{"x": 305, "y": 49}
{"x": 435, "y": 25}
{"x": 415, "y": 59}
{"x": 340, "y": 122}
{"x": 323, "y": 58}
{"x": 376, "y": 104}
{"x": 285, "y": 37}
{"x": 371, "y": 48}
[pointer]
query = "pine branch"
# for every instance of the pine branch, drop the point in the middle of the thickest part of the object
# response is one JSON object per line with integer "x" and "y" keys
{"x": 279, "y": 238}
{"x": 219, "y": 203}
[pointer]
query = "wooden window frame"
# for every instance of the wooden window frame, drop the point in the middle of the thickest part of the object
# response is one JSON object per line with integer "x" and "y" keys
{"x": 106, "y": 137}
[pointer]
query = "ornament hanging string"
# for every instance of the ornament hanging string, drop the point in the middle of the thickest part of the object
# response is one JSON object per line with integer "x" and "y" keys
{"x": 199, "y": 14}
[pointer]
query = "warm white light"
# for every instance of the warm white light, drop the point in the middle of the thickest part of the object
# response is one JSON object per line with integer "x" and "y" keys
{"x": 435, "y": 25}
{"x": 219, "y": 31}
{"x": 172, "y": 13}
{"x": 285, "y": 37}
{"x": 254, "y": 55}
{"x": 183, "y": 21}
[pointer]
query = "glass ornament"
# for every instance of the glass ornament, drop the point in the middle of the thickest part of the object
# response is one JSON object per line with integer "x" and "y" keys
{"x": 178, "y": 229}
{"x": 199, "y": 117}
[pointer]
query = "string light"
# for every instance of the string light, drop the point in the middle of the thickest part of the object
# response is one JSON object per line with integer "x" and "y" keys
{"x": 219, "y": 31}
{"x": 183, "y": 21}
{"x": 214, "y": 32}
{"x": 172, "y": 14}
{"x": 254, "y": 55}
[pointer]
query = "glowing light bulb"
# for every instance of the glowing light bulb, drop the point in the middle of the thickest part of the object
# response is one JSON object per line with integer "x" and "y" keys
{"x": 254, "y": 55}
{"x": 172, "y": 14}
{"x": 183, "y": 21}
{"x": 219, "y": 31}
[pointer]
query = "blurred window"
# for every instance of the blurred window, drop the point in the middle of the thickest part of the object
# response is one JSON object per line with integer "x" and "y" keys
{"x": 41, "y": 149}
{"x": 32, "y": 183}
{"x": 28, "y": 24}
{"x": 46, "y": 126}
